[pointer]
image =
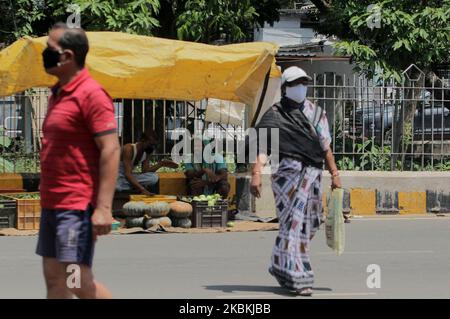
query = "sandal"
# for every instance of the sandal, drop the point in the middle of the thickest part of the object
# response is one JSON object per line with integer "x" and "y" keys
{"x": 304, "y": 292}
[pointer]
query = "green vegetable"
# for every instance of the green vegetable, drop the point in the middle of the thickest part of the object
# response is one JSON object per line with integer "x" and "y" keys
{"x": 230, "y": 224}
{"x": 158, "y": 209}
{"x": 135, "y": 209}
{"x": 132, "y": 222}
{"x": 25, "y": 196}
{"x": 182, "y": 222}
{"x": 163, "y": 221}
{"x": 180, "y": 209}
{"x": 211, "y": 199}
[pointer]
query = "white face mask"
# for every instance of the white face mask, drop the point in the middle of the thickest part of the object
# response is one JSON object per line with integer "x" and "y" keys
{"x": 297, "y": 93}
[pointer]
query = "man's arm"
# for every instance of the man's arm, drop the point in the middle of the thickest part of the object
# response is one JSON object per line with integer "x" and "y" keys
{"x": 109, "y": 166}
{"x": 221, "y": 174}
{"x": 127, "y": 159}
{"x": 191, "y": 173}
{"x": 146, "y": 168}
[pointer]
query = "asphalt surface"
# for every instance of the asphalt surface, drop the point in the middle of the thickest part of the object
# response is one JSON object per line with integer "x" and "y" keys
{"x": 413, "y": 255}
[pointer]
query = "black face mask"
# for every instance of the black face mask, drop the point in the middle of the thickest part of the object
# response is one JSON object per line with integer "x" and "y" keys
{"x": 50, "y": 57}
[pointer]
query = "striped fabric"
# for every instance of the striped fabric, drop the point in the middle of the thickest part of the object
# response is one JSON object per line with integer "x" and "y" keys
{"x": 298, "y": 198}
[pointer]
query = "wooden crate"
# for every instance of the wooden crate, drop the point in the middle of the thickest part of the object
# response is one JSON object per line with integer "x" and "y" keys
{"x": 28, "y": 212}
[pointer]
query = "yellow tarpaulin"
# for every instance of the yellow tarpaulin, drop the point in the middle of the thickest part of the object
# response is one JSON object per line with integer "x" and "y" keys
{"x": 132, "y": 66}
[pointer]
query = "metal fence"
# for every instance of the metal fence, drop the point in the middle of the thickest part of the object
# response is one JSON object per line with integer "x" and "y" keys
{"x": 22, "y": 117}
{"x": 381, "y": 125}
{"x": 375, "y": 124}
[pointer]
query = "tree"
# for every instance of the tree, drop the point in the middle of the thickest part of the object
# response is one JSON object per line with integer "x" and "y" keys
{"x": 197, "y": 20}
{"x": 385, "y": 37}
{"x": 211, "y": 20}
{"x": 408, "y": 32}
{"x": 35, "y": 17}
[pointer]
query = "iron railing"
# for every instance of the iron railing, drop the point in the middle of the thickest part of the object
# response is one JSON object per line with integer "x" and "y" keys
{"x": 376, "y": 124}
{"x": 383, "y": 125}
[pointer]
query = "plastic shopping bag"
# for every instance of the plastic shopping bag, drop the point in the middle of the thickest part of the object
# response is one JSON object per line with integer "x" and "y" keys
{"x": 334, "y": 224}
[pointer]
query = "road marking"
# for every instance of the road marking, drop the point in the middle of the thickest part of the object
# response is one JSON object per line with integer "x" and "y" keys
{"x": 337, "y": 294}
{"x": 378, "y": 252}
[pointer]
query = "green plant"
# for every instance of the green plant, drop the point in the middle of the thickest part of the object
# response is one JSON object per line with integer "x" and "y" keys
{"x": 408, "y": 31}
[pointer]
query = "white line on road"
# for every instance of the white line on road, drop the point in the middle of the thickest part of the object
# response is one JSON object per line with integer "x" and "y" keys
{"x": 314, "y": 294}
{"x": 378, "y": 252}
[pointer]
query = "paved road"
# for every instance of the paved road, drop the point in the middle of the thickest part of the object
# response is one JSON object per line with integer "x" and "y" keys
{"x": 414, "y": 256}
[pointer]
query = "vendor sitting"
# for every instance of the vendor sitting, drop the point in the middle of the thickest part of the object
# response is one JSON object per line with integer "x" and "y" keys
{"x": 205, "y": 178}
{"x": 139, "y": 154}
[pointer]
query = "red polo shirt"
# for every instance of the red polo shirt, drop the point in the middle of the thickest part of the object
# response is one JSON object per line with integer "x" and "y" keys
{"x": 69, "y": 156}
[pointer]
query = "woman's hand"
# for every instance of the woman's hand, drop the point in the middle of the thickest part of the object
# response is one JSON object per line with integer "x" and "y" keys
{"x": 256, "y": 185}
{"x": 335, "y": 182}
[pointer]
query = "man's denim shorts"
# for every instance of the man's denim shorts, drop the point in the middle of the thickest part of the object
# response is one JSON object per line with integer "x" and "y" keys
{"x": 67, "y": 236}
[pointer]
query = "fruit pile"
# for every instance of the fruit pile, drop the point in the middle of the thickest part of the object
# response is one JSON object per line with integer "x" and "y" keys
{"x": 211, "y": 199}
{"x": 25, "y": 195}
{"x": 147, "y": 215}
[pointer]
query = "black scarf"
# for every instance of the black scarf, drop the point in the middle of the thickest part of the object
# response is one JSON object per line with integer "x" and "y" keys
{"x": 297, "y": 137}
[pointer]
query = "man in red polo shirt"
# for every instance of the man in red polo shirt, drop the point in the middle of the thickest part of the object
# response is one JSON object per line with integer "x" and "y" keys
{"x": 79, "y": 165}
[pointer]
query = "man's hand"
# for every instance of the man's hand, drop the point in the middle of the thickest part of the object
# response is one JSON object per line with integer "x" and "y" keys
{"x": 168, "y": 163}
{"x": 256, "y": 185}
{"x": 101, "y": 222}
{"x": 199, "y": 183}
{"x": 213, "y": 178}
{"x": 146, "y": 192}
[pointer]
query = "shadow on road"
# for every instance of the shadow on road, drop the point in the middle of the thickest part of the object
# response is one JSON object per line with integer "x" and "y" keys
{"x": 273, "y": 289}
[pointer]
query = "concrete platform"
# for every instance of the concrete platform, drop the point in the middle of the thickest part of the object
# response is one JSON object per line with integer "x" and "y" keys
{"x": 371, "y": 193}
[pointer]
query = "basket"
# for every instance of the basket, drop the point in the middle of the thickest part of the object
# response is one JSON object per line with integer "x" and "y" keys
{"x": 28, "y": 211}
{"x": 204, "y": 216}
{"x": 7, "y": 212}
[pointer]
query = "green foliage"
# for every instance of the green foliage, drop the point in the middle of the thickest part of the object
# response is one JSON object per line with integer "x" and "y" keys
{"x": 15, "y": 159}
{"x": 34, "y": 18}
{"x": 368, "y": 156}
{"x": 136, "y": 16}
{"x": 410, "y": 32}
{"x": 196, "y": 20}
{"x": 209, "y": 20}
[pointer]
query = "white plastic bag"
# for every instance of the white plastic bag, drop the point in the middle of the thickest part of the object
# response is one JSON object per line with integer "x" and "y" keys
{"x": 334, "y": 224}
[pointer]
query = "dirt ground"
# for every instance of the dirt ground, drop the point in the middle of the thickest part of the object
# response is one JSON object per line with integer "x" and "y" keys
{"x": 240, "y": 226}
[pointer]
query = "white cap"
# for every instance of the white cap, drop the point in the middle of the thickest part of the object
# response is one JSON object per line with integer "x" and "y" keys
{"x": 293, "y": 73}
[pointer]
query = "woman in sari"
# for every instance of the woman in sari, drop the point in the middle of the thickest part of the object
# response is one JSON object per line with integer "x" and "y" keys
{"x": 303, "y": 147}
